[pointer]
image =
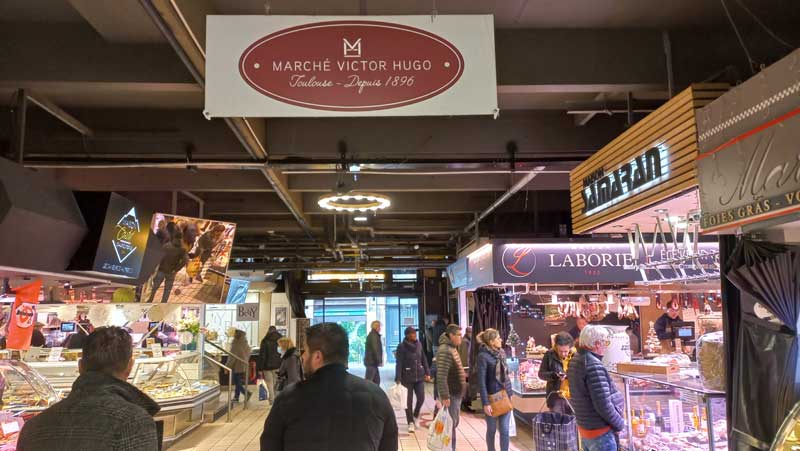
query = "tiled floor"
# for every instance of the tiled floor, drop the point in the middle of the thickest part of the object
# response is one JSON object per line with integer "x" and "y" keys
{"x": 243, "y": 433}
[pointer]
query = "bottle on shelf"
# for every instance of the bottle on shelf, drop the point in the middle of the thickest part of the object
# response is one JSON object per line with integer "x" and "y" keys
{"x": 658, "y": 421}
{"x": 695, "y": 417}
{"x": 641, "y": 430}
{"x": 704, "y": 421}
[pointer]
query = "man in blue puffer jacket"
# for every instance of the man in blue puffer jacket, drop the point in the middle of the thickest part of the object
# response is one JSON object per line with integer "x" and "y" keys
{"x": 594, "y": 396}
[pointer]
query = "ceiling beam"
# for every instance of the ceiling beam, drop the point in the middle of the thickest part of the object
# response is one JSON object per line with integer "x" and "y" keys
{"x": 183, "y": 25}
{"x": 439, "y": 183}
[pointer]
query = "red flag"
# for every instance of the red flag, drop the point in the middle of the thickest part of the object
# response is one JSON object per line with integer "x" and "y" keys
{"x": 23, "y": 316}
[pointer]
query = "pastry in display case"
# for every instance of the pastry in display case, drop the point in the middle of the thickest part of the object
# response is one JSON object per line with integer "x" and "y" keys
{"x": 672, "y": 412}
{"x": 171, "y": 378}
{"x": 527, "y": 377}
{"x": 788, "y": 436}
{"x": 23, "y": 394}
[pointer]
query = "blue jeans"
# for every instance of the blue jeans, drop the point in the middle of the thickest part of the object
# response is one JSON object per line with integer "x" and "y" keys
{"x": 238, "y": 381}
{"x": 491, "y": 428}
{"x": 455, "y": 410}
{"x": 606, "y": 442}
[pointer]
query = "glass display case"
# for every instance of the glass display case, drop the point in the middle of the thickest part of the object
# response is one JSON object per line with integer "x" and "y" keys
{"x": 528, "y": 390}
{"x": 788, "y": 436}
{"x": 23, "y": 394}
{"x": 22, "y": 389}
{"x": 170, "y": 379}
{"x": 671, "y": 412}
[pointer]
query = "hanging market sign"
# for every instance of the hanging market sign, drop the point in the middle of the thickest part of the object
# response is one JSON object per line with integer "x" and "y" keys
{"x": 651, "y": 162}
{"x": 284, "y": 66}
{"x": 646, "y": 170}
{"x": 749, "y": 161}
{"x": 589, "y": 263}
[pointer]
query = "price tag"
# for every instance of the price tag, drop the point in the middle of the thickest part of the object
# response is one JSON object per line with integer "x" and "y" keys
{"x": 55, "y": 355}
{"x": 10, "y": 428}
{"x": 157, "y": 351}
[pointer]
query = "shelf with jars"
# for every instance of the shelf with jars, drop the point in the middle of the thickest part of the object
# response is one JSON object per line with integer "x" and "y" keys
{"x": 672, "y": 412}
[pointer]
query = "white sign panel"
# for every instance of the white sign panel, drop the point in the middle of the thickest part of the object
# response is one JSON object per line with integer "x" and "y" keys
{"x": 247, "y": 312}
{"x": 295, "y": 66}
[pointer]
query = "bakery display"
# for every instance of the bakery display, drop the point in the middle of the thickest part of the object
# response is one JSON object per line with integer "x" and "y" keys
{"x": 529, "y": 375}
{"x": 534, "y": 351}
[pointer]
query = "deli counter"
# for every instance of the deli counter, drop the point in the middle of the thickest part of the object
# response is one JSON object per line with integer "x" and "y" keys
{"x": 671, "y": 411}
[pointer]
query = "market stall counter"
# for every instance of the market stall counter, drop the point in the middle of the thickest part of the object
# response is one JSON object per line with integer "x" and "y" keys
{"x": 672, "y": 411}
{"x": 174, "y": 381}
{"x": 528, "y": 390}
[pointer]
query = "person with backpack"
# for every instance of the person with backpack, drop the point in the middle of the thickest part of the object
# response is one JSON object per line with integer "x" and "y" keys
{"x": 291, "y": 370}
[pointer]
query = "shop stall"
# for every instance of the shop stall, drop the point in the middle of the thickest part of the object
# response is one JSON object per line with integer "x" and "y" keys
{"x": 750, "y": 195}
{"x": 541, "y": 288}
{"x": 643, "y": 186}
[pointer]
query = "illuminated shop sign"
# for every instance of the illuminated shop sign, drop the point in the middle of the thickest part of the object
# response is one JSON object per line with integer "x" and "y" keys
{"x": 601, "y": 190}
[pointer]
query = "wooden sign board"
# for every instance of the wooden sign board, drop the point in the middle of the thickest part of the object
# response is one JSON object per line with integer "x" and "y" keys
{"x": 650, "y": 162}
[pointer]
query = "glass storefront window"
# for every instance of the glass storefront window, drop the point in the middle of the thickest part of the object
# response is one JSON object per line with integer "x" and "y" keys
{"x": 357, "y": 314}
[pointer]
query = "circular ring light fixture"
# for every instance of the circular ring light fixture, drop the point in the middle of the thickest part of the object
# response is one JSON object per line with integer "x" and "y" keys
{"x": 354, "y": 201}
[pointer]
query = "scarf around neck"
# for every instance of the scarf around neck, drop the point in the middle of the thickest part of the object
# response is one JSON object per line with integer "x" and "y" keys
{"x": 501, "y": 368}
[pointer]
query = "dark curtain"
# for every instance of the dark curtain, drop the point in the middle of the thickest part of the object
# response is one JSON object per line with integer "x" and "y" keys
{"x": 731, "y": 317}
{"x": 765, "y": 353}
{"x": 489, "y": 314}
{"x": 293, "y": 280}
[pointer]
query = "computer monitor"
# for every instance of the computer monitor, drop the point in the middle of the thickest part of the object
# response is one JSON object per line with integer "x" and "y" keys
{"x": 68, "y": 327}
{"x": 154, "y": 324}
{"x": 684, "y": 330}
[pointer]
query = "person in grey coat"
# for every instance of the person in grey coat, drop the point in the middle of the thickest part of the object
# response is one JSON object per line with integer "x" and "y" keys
{"x": 593, "y": 394}
{"x": 103, "y": 411}
{"x": 373, "y": 354}
{"x": 451, "y": 381}
{"x": 241, "y": 349}
{"x": 291, "y": 370}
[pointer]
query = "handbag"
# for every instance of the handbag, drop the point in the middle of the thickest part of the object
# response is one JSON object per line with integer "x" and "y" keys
{"x": 500, "y": 403}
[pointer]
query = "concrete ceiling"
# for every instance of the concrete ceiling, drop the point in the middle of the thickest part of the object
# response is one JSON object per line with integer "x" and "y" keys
{"x": 564, "y": 70}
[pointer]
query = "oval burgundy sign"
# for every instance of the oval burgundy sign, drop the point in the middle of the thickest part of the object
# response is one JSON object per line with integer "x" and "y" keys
{"x": 351, "y": 65}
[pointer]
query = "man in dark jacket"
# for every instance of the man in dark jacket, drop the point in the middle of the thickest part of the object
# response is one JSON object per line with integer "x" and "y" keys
{"x": 205, "y": 246}
{"x": 373, "y": 354}
{"x": 412, "y": 372}
{"x": 595, "y": 398}
{"x": 664, "y": 323}
{"x": 102, "y": 412}
{"x": 331, "y": 410}
{"x": 175, "y": 258}
{"x": 269, "y": 360}
{"x": 451, "y": 381}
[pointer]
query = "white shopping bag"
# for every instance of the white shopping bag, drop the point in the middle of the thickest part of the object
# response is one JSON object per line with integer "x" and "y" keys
{"x": 440, "y": 434}
{"x": 512, "y": 426}
{"x": 398, "y": 395}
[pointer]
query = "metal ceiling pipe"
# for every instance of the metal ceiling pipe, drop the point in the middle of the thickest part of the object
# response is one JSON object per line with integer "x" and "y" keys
{"x": 110, "y": 164}
{"x": 374, "y": 232}
{"x": 256, "y": 152}
{"x": 522, "y": 183}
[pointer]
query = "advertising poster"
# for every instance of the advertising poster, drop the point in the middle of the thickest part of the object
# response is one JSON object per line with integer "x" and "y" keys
{"x": 23, "y": 316}
{"x": 123, "y": 240}
{"x": 195, "y": 261}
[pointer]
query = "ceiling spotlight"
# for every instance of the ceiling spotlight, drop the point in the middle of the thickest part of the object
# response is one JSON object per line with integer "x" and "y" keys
{"x": 360, "y": 219}
{"x": 661, "y": 210}
{"x": 354, "y": 201}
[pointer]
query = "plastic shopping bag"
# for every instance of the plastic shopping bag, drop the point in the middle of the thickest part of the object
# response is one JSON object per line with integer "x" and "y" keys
{"x": 262, "y": 390}
{"x": 440, "y": 435}
{"x": 398, "y": 395}
{"x": 512, "y": 426}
